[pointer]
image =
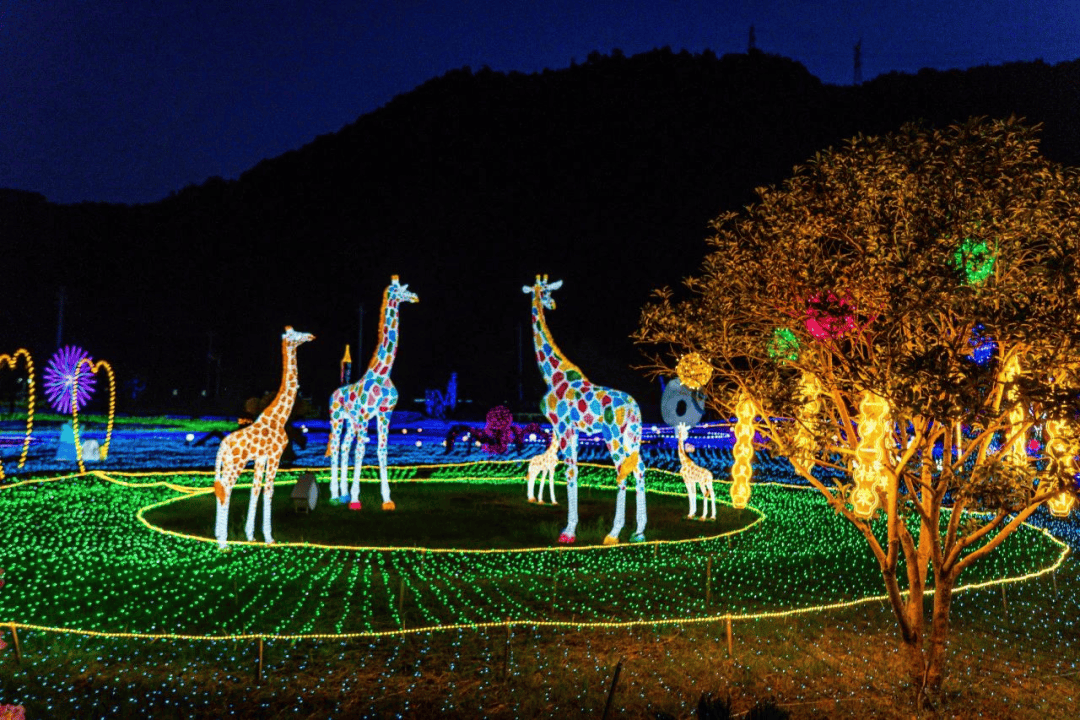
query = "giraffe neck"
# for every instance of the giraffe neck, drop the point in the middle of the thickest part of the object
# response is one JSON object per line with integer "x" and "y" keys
{"x": 548, "y": 355}
{"x": 383, "y": 357}
{"x": 684, "y": 458}
{"x": 279, "y": 409}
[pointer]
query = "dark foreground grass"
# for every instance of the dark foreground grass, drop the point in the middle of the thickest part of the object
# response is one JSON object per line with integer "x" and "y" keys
{"x": 1014, "y": 663}
{"x": 446, "y": 515}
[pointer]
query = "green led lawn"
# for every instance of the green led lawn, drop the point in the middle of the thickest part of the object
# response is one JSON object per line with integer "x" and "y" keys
{"x": 79, "y": 558}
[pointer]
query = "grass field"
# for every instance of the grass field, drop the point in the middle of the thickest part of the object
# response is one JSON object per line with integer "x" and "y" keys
{"x": 355, "y": 620}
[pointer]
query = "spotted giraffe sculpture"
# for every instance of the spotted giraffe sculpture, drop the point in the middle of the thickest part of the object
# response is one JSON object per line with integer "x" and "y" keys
{"x": 543, "y": 466}
{"x": 695, "y": 476}
{"x": 262, "y": 442}
{"x": 373, "y": 395}
{"x": 574, "y": 405}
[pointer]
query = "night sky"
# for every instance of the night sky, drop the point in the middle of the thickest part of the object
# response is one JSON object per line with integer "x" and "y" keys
{"x": 115, "y": 101}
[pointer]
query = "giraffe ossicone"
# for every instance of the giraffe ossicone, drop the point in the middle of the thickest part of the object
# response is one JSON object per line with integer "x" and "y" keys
{"x": 373, "y": 396}
{"x": 261, "y": 442}
{"x": 574, "y": 405}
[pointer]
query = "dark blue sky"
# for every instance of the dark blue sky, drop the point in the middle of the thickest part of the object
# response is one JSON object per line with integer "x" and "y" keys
{"x": 123, "y": 101}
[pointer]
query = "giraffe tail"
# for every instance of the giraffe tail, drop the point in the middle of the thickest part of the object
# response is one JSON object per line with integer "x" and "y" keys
{"x": 628, "y": 466}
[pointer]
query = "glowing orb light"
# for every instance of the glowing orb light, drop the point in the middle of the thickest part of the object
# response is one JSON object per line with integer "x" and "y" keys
{"x": 60, "y": 377}
{"x": 694, "y": 371}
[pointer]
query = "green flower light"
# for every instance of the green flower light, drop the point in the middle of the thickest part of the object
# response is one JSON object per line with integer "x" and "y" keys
{"x": 975, "y": 259}
{"x": 784, "y": 345}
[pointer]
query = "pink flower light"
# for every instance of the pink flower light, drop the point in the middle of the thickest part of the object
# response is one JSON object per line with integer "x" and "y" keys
{"x": 825, "y": 326}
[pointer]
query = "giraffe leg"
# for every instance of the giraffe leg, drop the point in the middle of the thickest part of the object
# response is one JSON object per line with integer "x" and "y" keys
{"x": 531, "y": 475}
{"x": 335, "y": 455}
{"x": 223, "y": 489}
{"x": 642, "y": 517}
{"x": 568, "y": 444}
{"x": 268, "y": 497}
{"x": 691, "y": 493}
{"x": 253, "y": 503}
{"x": 551, "y": 484}
{"x": 620, "y": 515}
{"x": 361, "y": 448}
{"x": 384, "y": 484}
{"x": 341, "y": 495}
{"x": 712, "y": 497}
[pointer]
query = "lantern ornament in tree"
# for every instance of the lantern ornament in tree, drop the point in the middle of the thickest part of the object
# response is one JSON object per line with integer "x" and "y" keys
{"x": 694, "y": 371}
{"x": 804, "y": 442}
{"x": 1061, "y": 451}
{"x": 743, "y": 452}
{"x": 868, "y": 469}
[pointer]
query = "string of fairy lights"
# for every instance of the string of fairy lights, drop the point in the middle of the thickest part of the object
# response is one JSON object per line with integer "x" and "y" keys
{"x": 83, "y": 559}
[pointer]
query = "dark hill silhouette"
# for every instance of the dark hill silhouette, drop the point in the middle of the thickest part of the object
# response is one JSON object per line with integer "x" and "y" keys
{"x": 604, "y": 174}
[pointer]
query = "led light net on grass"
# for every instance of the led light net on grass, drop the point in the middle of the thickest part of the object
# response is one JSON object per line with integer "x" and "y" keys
{"x": 99, "y": 569}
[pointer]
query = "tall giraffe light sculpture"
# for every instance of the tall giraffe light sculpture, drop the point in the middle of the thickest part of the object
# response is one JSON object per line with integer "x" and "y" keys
{"x": 373, "y": 395}
{"x": 261, "y": 442}
{"x": 572, "y": 405}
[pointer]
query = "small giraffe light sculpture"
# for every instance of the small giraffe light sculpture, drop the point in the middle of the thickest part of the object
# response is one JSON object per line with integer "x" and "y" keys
{"x": 574, "y": 405}
{"x": 543, "y": 466}
{"x": 695, "y": 476}
{"x": 261, "y": 442}
{"x": 373, "y": 395}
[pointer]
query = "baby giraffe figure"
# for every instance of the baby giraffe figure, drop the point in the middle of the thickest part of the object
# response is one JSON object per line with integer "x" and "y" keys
{"x": 543, "y": 466}
{"x": 694, "y": 476}
{"x": 262, "y": 442}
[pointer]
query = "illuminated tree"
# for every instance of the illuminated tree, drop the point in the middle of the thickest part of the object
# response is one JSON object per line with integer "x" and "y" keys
{"x": 848, "y": 305}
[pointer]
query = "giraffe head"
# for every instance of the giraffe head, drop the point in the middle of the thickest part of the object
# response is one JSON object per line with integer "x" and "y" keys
{"x": 542, "y": 291}
{"x": 397, "y": 293}
{"x": 682, "y": 431}
{"x": 295, "y": 338}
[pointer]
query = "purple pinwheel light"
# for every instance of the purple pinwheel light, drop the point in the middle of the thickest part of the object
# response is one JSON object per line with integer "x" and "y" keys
{"x": 60, "y": 376}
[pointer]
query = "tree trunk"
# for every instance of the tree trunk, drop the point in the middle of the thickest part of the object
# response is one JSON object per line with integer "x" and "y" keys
{"x": 939, "y": 632}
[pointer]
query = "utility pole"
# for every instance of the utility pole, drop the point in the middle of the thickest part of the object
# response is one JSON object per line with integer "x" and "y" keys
{"x": 858, "y": 62}
{"x": 60, "y": 318}
{"x": 359, "y": 344}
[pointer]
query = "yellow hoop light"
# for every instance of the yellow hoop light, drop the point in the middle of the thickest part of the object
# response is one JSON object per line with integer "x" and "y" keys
{"x": 10, "y": 361}
{"x": 94, "y": 367}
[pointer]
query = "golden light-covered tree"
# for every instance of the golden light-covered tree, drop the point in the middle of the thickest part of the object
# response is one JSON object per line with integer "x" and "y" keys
{"x": 905, "y": 313}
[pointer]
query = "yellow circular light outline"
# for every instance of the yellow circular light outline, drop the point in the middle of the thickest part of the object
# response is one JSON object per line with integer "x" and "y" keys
{"x": 94, "y": 367}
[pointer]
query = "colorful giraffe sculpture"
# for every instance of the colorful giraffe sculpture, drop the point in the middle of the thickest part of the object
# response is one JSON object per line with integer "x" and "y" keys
{"x": 353, "y": 406}
{"x": 574, "y": 405}
{"x": 262, "y": 442}
{"x": 695, "y": 476}
{"x": 543, "y": 466}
